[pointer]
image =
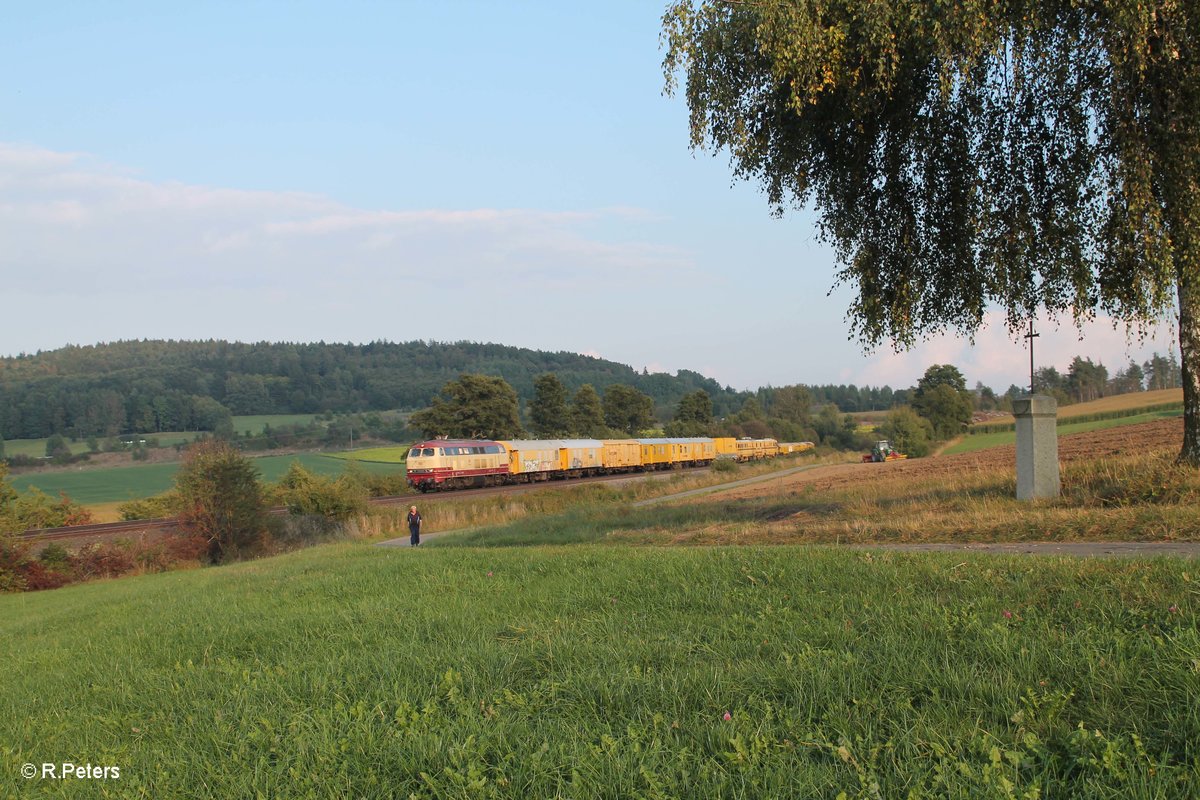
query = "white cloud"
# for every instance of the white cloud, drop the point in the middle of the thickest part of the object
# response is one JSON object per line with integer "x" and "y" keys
{"x": 277, "y": 265}
{"x": 1000, "y": 359}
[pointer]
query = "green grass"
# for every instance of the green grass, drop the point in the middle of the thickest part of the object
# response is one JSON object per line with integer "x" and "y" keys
{"x": 381, "y": 455}
{"x": 106, "y": 485}
{"x": 36, "y": 448}
{"x": 982, "y": 441}
{"x": 602, "y": 672}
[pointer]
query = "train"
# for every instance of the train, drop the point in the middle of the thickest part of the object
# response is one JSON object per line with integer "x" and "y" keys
{"x": 442, "y": 464}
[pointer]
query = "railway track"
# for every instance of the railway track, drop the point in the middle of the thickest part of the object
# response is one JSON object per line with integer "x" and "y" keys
{"x": 103, "y": 530}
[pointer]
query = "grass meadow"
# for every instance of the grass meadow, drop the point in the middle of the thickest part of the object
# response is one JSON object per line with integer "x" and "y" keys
{"x": 352, "y": 671}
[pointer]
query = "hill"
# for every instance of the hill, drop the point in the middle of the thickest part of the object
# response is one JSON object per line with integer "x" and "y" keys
{"x": 153, "y": 385}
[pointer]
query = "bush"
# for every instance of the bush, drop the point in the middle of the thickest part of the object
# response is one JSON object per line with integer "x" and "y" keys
{"x": 35, "y": 509}
{"x": 725, "y": 465}
{"x": 306, "y": 493}
{"x": 55, "y": 556}
{"x": 221, "y": 499}
{"x": 103, "y": 560}
{"x": 14, "y": 556}
{"x": 162, "y": 505}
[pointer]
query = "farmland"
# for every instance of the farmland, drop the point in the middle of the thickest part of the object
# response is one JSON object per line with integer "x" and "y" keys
{"x": 1118, "y": 484}
{"x": 255, "y": 424}
{"x": 378, "y": 455}
{"x": 107, "y": 485}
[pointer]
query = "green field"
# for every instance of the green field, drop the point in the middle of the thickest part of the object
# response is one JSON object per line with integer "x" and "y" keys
{"x": 982, "y": 441}
{"x": 106, "y": 485}
{"x": 380, "y": 455}
{"x": 36, "y": 448}
{"x": 592, "y": 671}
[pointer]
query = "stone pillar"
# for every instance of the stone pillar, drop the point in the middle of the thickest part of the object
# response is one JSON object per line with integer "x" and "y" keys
{"x": 1037, "y": 446}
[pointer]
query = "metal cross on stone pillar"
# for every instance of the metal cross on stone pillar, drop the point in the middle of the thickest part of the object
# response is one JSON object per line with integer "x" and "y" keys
{"x": 1031, "y": 336}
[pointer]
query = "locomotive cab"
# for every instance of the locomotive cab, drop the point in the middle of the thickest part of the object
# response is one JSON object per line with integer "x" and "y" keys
{"x": 445, "y": 464}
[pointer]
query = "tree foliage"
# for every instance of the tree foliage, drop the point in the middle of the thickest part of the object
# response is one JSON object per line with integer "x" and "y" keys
{"x": 587, "y": 413}
{"x": 548, "y": 411}
{"x": 151, "y": 386}
{"x": 472, "y": 407}
{"x": 304, "y": 492}
{"x": 908, "y": 432}
{"x": 221, "y": 499}
{"x": 1026, "y": 153}
{"x": 626, "y": 409}
{"x": 693, "y": 415}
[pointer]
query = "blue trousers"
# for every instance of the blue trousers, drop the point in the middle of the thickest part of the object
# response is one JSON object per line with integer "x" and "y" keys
{"x": 414, "y": 535}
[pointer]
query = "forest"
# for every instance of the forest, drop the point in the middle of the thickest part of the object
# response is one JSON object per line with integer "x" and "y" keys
{"x": 152, "y": 386}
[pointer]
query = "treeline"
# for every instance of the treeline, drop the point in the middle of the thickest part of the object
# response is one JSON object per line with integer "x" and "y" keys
{"x": 147, "y": 387}
{"x": 1086, "y": 381}
{"x": 483, "y": 406}
{"x": 154, "y": 386}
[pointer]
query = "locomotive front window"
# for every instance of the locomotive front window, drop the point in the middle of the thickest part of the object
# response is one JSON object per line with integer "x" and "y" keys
{"x": 414, "y": 453}
{"x": 428, "y": 451}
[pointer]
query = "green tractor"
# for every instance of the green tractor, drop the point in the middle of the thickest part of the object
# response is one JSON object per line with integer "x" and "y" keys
{"x": 883, "y": 451}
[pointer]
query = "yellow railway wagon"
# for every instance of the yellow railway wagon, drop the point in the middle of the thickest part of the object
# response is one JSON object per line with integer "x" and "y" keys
{"x": 534, "y": 459}
{"x": 622, "y": 454}
{"x": 696, "y": 451}
{"x": 656, "y": 453}
{"x": 754, "y": 449}
{"x": 581, "y": 456}
{"x": 726, "y": 447}
{"x": 787, "y": 448}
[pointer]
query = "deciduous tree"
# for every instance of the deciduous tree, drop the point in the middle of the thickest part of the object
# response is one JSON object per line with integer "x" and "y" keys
{"x": 548, "y": 411}
{"x": 693, "y": 416}
{"x": 909, "y": 433}
{"x": 472, "y": 407}
{"x": 587, "y": 414}
{"x": 626, "y": 409}
{"x": 1022, "y": 153}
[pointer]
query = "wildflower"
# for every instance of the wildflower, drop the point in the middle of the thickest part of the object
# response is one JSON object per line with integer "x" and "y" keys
{"x": 727, "y": 716}
{"x": 1174, "y": 609}
{"x": 1007, "y": 614}
{"x": 489, "y": 573}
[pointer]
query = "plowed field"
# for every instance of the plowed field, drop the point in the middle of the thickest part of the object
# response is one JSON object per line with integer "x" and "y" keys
{"x": 1160, "y": 435}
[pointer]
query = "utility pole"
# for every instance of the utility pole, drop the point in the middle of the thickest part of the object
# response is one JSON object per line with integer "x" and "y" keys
{"x": 1031, "y": 336}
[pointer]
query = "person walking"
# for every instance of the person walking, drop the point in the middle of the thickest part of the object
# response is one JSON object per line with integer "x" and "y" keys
{"x": 414, "y": 526}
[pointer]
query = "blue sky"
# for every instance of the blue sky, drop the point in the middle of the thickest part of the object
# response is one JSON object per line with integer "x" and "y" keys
{"x": 362, "y": 171}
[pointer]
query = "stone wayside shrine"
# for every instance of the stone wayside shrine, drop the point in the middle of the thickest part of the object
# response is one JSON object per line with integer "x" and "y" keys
{"x": 1037, "y": 446}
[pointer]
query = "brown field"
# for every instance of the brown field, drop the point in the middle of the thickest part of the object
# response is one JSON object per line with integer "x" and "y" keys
{"x": 1117, "y": 484}
{"x": 1119, "y": 402}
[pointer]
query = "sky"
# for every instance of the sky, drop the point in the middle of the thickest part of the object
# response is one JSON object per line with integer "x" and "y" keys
{"x": 364, "y": 171}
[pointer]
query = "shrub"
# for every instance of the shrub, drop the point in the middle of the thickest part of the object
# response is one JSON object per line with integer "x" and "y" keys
{"x": 35, "y": 509}
{"x": 306, "y": 493}
{"x": 14, "y": 556}
{"x": 221, "y": 499}
{"x": 103, "y": 560}
{"x": 55, "y": 556}
{"x": 162, "y": 505}
{"x": 38, "y": 576}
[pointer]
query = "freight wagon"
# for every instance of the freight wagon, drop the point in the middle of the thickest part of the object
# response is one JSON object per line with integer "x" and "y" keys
{"x": 461, "y": 464}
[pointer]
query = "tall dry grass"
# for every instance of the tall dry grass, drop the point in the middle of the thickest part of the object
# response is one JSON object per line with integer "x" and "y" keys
{"x": 446, "y": 512}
